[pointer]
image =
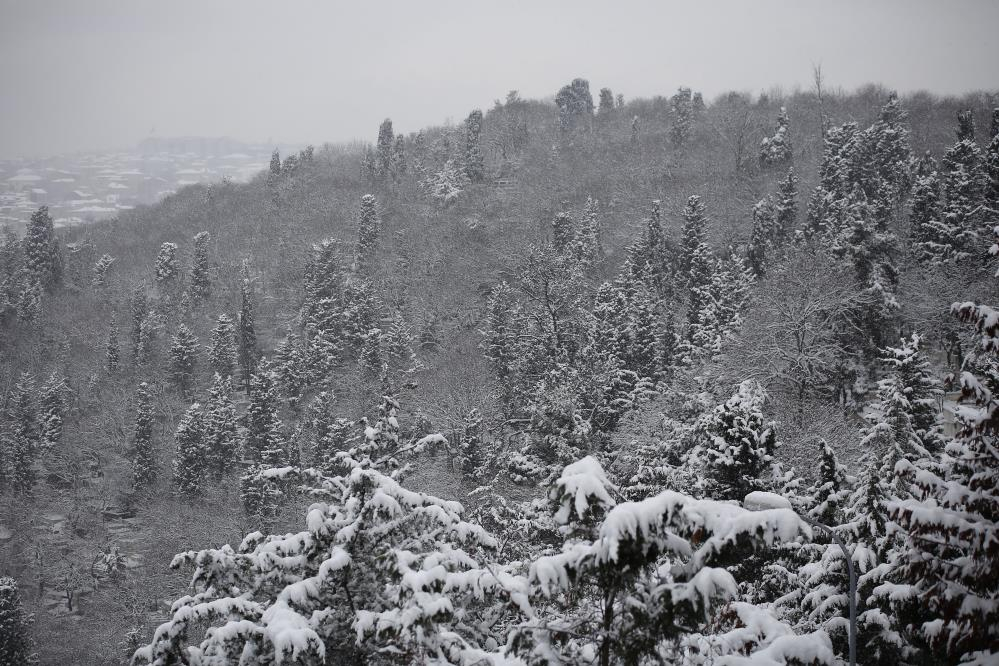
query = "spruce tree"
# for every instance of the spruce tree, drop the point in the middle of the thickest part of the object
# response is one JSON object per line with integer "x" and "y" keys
{"x": 112, "y": 352}
{"x": 831, "y": 489}
{"x": 222, "y": 347}
{"x": 220, "y": 427}
{"x": 101, "y": 270}
{"x": 786, "y": 207}
{"x": 52, "y": 399}
{"x": 606, "y": 105}
{"x": 925, "y": 219}
{"x": 368, "y": 229}
{"x": 275, "y": 165}
{"x": 474, "y": 165}
{"x": 764, "y": 224}
{"x": 264, "y": 442}
{"x": 399, "y": 164}
{"x": 289, "y": 368}
{"x": 23, "y": 448}
{"x": 41, "y": 250}
{"x": 370, "y": 359}
{"x": 964, "y": 185}
{"x": 166, "y": 264}
{"x": 143, "y": 454}
{"x": 201, "y": 286}
{"x": 776, "y": 150}
{"x": 575, "y": 105}
{"x": 586, "y": 243}
{"x": 190, "y": 465}
{"x": 695, "y": 225}
{"x": 562, "y": 232}
{"x": 247, "y": 337}
{"x": 681, "y": 112}
{"x": 471, "y": 446}
{"x": 736, "y": 445}
{"x": 183, "y": 359}
{"x": 16, "y": 644}
{"x": 383, "y": 156}
{"x": 139, "y": 308}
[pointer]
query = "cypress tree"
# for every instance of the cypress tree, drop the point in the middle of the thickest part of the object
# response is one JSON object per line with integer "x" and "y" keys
{"x": 24, "y": 444}
{"x": 368, "y": 228}
{"x": 474, "y": 164}
{"x": 201, "y": 286}
{"x": 222, "y": 346}
{"x": 112, "y": 354}
{"x": 695, "y": 224}
{"x": 139, "y": 309}
{"x": 191, "y": 461}
{"x": 247, "y": 339}
{"x": 183, "y": 359}
{"x": 53, "y": 411}
{"x": 143, "y": 454}
{"x": 166, "y": 264}
{"x": 275, "y": 166}
{"x": 41, "y": 250}
{"x": 383, "y": 154}
{"x": 101, "y": 269}
{"x": 264, "y": 442}
{"x": 220, "y": 427}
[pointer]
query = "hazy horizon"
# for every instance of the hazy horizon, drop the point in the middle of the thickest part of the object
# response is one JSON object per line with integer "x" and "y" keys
{"x": 105, "y": 75}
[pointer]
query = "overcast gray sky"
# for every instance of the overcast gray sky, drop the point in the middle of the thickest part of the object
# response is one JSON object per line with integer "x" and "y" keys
{"x": 98, "y": 74}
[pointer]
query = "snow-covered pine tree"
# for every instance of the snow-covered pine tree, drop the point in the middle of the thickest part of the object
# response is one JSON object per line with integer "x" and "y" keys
{"x": 143, "y": 453}
{"x": 246, "y": 340}
{"x": 575, "y": 106}
{"x": 562, "y": 231}
{"x": 222, "y": 346}
{"x": 775, "y": 150}
{"x": 190, "y": 465}
{"x": 220, "y": 427}
{"x": 183, "y": 359}
{"x": 472, "y": 447}
{"x": 681, "y": 114}
{"x": 695, "y": 225}
{"x": 52, "y": 400}
{"x": 368, "y": 229}
{"x": 101, "y": 269}
{"x": 42, "y": 258}
{"x": 275, "y": 165}
{"x": 736, "y": 444}
{"x": 383, "y": 149}
{"x": 370, "y": 358}
{"x": 166, "y": 264}
{"x": 332, "y": 435}
{"x": 264, "y": 443}
{"x": 605, "y": 107}
{"x": 785, "y": 203}
{"x": 400, "y": 166}
{"x": 16, "y": 644}
{"x": 964, "y": 185}
{"x": 200, "y": 282}
{"x": 586, "y": 243}
{"x": 25, "y": 435}
{"x": 112, "y": 352}
{"x": 764, "y": 222}
{"x": 926, "y": 220}
{"x": 289, "y": 370}
{"x": 139, "y": 308}
{"x": 831, "y": 489}
{"x": 474, "y": 164}
{"x": 949, "y": 600}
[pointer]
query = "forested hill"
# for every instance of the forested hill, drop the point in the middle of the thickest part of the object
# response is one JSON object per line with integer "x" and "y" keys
{"x": 600, "y": 324}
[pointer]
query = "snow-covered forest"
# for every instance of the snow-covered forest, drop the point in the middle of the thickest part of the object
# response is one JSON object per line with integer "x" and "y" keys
{"x": 577, "y": 380}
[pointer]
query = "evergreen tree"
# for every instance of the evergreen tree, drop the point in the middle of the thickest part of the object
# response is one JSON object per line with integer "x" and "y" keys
{"x": 29, "y": 300}
{"x": 575, "y": 105}
{"x": 222, "y": 347}
{"x": 695, "y": 225}
{"x": 41, "y": 250}
{"x": 964, "y": 185}
{"x": 586, "y": 243}
{"x": 23, "y": 448}
{"x": 370, "y": 359}
{"x": 264, "y": 442}
{"x": 764, "y": 224}
{"x": 383, "y": 155}
{"x": 139, "y": 308}
{"x": 682, "y": 112}
{"x": 275, "y": 166}
{"x": 992, "y": 166}
{"x": 16, "y": 644}
{"x": 289, "y": 368}
{"x": 246, "y": 347}
{"x": 191, "y": 462}
{"x": 776, "y": 150}
{"x": 399, "y": 164}
{"x": 786, "y": 207}
{"x": 166, "y": 263}
{"x": 736, "y": 445}
{"x": 926, "y": 220}
{"x": 183, "y": 359}
{"x": 52, "y": 399}
{"x": 368, "y": 229}
{"x": 143, "y": 454}
{"x": 831, "y": 489}
{"x": 201, "y": 286}
{"x": 112, "y": 353}
{"x": 474, "y": 164}
{"x": 101, "y": 270}
{"x": 220, "y": 427}
{"x": 562, "y": 232}
{"x": 606, "y": 105}
{"x": 471, "y": 446}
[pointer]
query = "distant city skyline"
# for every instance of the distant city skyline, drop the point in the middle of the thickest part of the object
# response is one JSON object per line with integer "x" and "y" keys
{"x": 103, "y": 75}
